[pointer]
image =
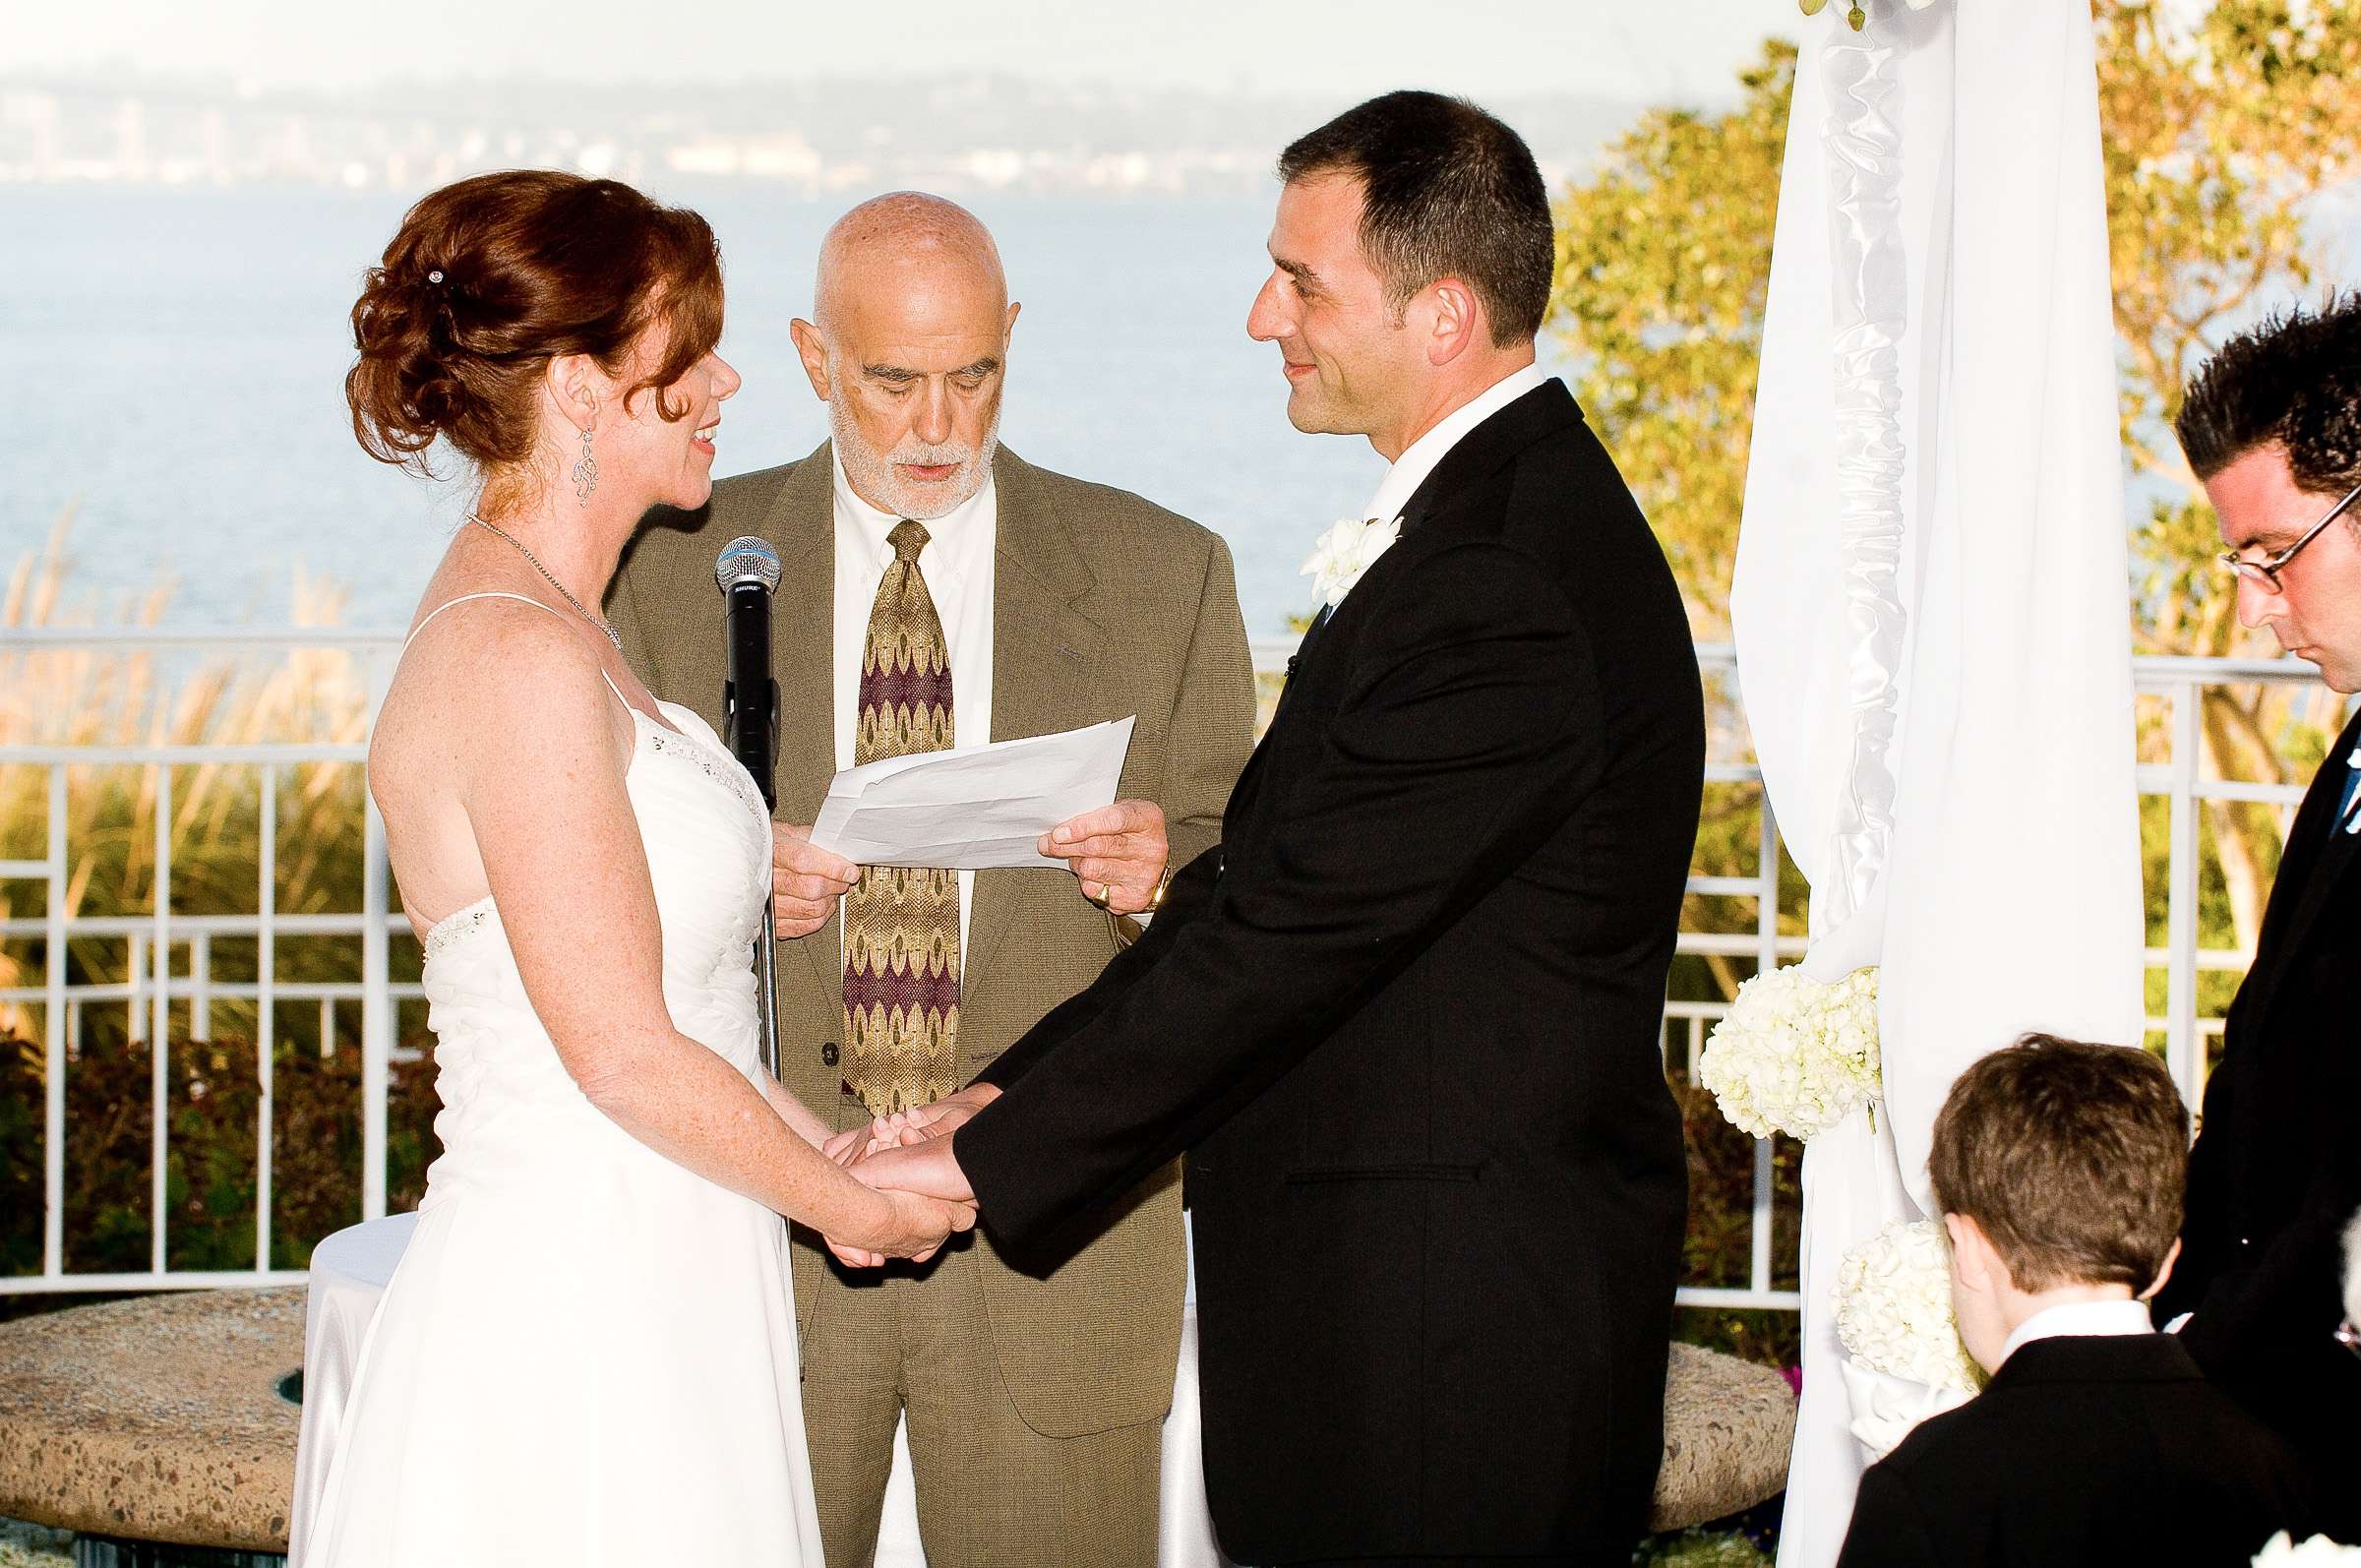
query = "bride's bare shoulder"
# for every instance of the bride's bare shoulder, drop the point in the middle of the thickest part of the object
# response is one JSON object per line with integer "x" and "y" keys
{"x": 493, "y": 676}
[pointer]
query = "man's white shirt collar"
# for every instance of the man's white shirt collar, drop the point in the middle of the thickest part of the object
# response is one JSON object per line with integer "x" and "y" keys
{"x": 1410, "y": 470}
{"x": 2070, "y": 1319}
{"x": 871, "y": 526}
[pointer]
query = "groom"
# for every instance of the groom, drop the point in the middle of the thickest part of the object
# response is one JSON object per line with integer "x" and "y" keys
{"x": 1404, "y": 1018}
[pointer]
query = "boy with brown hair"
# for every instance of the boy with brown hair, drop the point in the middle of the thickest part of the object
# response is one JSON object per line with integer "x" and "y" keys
{"x": 2058, "y": 1168}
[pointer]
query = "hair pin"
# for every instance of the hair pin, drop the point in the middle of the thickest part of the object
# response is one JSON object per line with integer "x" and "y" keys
{"x": 434, "y": 276}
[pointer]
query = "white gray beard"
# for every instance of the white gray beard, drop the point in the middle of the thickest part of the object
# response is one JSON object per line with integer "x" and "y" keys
{"x": 872, "y": 477}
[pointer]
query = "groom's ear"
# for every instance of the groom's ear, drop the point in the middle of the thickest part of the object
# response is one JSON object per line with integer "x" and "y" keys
{"x": 812, "y": 350}
{"x": 1454, "y": 319}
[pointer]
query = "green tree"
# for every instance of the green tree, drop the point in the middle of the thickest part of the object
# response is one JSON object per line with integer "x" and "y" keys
{"x": 2221, "y": 136}
{"x": 1663, "y": 259}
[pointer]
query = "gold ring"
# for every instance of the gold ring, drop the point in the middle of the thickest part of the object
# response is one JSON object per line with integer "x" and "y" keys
{"x": 1103, "y": 897}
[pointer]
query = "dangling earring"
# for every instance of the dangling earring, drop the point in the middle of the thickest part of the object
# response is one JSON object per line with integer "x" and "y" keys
{"x": 586, "y": 472}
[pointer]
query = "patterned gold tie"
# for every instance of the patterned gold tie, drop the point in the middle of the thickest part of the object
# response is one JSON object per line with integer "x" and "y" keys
{"x": 901, "y": 925}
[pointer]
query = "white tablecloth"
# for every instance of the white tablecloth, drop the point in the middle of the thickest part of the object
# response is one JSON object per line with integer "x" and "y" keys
{"x": 349, "y": 1271}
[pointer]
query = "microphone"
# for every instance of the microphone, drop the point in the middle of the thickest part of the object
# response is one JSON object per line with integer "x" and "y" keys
{"x": 747, "y": 573}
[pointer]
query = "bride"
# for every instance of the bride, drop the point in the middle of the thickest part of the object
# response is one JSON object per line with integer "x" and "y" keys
{"x": 589, "y": 1353}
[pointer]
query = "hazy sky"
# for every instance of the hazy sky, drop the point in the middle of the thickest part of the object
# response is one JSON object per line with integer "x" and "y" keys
{"x": 1651, "y": 49}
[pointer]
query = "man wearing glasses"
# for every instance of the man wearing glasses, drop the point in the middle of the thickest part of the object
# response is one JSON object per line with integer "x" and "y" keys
{"x": 2273, "y": 427}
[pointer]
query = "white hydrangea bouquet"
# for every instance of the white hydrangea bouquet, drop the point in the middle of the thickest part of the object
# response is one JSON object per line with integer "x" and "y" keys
{"x": 1903, "y": 1359}
{"x": 2282, "y": 1551}
{"x": 1794, "y": 1055}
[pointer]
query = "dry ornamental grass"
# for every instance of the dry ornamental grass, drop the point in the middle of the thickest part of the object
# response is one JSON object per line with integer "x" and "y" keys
{"x": 132, "y": 697}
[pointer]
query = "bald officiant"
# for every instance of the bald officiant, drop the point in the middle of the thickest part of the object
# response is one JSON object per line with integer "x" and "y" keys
{"x": 937, "y": 591}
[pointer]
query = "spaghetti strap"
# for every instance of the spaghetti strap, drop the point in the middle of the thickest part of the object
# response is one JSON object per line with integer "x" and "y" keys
{"x": 489, "y": 593}
{"x": 521, "y": 599}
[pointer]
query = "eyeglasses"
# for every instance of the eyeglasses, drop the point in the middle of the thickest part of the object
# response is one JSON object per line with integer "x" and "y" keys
{"x": 2267, "y": 571}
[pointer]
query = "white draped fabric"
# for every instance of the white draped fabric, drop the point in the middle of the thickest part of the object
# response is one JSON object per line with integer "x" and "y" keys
{"x": 1929, "y": 608}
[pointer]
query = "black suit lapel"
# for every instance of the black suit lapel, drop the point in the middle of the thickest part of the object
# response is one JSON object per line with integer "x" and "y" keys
{"x": 1543, "y": 411}
{"x": 2331, "y": 864}
{"x": 1239, "y": 794}
{"x": 2314, "y": 821}
{"x": 2319, "y": 855}
{"x": 1294, "y": 661}
{"x": 1318, "y": 622}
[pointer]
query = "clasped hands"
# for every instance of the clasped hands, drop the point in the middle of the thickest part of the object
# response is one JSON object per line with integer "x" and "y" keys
{"x": 1116, "y": 853}
{"x": 910, "y": 1152}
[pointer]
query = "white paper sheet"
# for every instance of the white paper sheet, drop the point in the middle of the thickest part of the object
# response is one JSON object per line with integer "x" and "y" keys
{"x": 972, "y": 807}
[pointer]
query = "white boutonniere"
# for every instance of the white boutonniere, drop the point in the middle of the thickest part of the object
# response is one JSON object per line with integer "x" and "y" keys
{"x": 1345, "y": 551}
{"x": 2279, "y": 1550}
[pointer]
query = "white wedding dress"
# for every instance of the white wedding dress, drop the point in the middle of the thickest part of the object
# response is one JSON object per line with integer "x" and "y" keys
{"x": 587, "y": 1355}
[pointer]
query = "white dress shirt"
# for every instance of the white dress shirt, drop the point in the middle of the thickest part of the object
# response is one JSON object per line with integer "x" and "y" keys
{"x": 958, "y": 564}
{"x": 1410, "y": 470}
{"x": 2069, "y": 1319}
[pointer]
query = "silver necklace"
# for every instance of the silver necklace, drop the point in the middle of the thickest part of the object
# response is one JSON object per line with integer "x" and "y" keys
{"x": 600, "y": 622}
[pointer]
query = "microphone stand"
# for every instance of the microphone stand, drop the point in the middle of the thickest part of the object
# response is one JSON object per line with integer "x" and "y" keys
{"x": 750, "y": 702}
{"x": 767, "y": 974}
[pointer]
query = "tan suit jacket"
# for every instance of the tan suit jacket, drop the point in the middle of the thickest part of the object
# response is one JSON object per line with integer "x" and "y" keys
{"x": 1104, "y": 606}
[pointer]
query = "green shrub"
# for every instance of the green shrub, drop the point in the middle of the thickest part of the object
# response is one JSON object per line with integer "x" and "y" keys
{"x": 212, "y": 1108}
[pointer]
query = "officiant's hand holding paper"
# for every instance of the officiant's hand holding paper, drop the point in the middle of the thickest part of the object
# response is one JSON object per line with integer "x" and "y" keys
{"x": 1117, "y": 853}
{"x": 974, "y": 806}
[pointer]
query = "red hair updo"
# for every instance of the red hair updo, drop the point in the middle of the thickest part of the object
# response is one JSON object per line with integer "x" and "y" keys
{"x": 491, "y": 279}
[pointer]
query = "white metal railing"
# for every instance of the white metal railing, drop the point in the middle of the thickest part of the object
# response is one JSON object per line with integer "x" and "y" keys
{"x": 153, "y": 987}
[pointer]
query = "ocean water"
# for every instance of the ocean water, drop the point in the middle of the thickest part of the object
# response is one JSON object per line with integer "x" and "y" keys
{"x": 172, "y": 369}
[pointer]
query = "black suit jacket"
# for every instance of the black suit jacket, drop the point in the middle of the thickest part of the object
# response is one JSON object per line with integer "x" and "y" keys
{"x": 2082, "y": 1451}
{"x": 1405, "y": 1020}
{"x": 2275, "y": 1174}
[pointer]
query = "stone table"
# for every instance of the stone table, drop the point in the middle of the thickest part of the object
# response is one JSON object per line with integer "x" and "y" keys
{"x": 160, "y": 1419}
{"x": 1727, "y": 1428}
{"x": 155, "y": 1420}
